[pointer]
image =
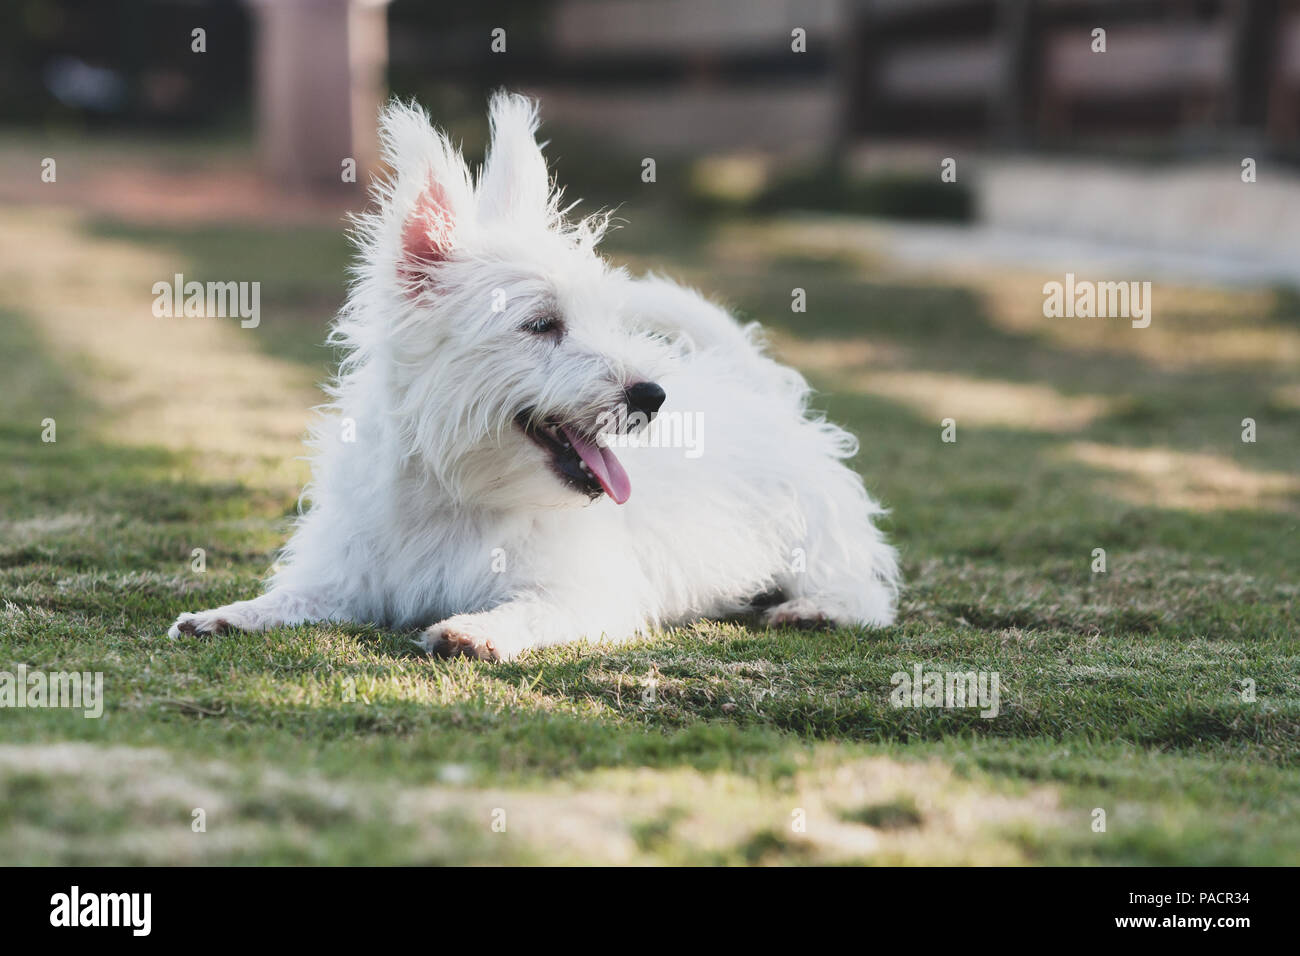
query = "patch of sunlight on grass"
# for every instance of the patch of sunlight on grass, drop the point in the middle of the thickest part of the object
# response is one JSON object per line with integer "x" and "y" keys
{"x": 831, "y": 354}
{"x": 24, "y": 531}
{"x": 1164, "y": 478}
{"x": 737, "y": 177}
{"x": 821, "y": 814}
{"x": 1287, "y": 396}
{"x": 973, "y": 401}
{"x": 851, "y": 242}
{"x": 199, "y": 384}
{"x": 1189, "y": 327}
{"x": 809, "y": 237}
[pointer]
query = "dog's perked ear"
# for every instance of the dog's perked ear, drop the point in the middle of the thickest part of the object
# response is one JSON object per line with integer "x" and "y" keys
{"x": 428, "y": 232}
{"x": 429, "y": 196}
{"x": 514, "y": 186}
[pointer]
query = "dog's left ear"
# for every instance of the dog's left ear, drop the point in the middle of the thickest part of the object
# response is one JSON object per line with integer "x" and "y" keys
{"x": 515, "y": 186}
{"x": 426, "y": 201}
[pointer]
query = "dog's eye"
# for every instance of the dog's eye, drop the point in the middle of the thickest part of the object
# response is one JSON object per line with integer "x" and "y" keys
{"x": 544, "y": 325}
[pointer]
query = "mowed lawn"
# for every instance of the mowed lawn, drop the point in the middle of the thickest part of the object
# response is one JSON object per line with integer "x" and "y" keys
{"x": 1127, "y": 691}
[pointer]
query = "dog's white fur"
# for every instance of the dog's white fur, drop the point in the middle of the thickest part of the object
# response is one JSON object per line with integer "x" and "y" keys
{"x": 442, "y": 511}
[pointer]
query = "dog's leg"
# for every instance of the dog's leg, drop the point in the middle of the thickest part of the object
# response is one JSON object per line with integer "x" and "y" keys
{"x": 275, "y": 607}
{"x": 848, "y": 575}
{"x": 514, "y": 627}
{"x": 851, "y": 601}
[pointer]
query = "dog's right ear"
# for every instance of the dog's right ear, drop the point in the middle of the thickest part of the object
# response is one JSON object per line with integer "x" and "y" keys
{"x": 428, "y": 231}
{"x": 428, "y": 197}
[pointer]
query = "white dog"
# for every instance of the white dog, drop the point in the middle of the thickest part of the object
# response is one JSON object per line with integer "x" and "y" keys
{"x": 488, "y": 468}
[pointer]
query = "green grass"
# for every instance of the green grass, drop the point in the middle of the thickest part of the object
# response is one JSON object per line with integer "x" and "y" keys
{"x": 714, "y": 743}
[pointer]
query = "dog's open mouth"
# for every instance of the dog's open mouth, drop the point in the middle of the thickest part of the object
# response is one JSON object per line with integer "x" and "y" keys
{"x": 579, "y": 461}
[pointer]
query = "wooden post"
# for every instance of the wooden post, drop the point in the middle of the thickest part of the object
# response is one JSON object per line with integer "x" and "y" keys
{"x": 1254, "y": 26}
{"x": 1014, "y": 96}
{"x": 319, "y": 81}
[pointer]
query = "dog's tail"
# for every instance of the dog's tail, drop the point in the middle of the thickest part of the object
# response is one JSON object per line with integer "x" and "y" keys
{"x": 661, "y": 305}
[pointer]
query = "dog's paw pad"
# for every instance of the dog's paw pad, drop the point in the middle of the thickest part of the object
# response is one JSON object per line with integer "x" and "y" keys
{"x": 444, "y": 640}
{"x": 800, "y": 613}
{"x": 194, "y": 625}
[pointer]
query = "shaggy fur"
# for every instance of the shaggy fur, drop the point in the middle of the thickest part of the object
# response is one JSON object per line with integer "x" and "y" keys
{"x": 480, "y": 315}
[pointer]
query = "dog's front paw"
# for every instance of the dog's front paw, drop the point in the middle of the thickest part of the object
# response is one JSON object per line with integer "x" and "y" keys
{"x": 460, "y": 636}
{"x": 802, "y": 613}
{"x": 198, "y": 625}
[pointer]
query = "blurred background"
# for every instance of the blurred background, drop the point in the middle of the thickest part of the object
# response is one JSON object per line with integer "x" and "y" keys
{"x": 1139, "y": 145}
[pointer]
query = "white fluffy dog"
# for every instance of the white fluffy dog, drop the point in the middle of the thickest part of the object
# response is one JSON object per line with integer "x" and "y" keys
{"x": 527, "y": 446}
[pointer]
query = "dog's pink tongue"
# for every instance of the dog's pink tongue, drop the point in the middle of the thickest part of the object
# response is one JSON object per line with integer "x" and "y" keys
{"x": 604, "y": 465}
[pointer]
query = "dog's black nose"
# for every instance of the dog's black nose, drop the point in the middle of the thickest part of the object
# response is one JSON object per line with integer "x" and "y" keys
{"x": 644, "y": 397}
